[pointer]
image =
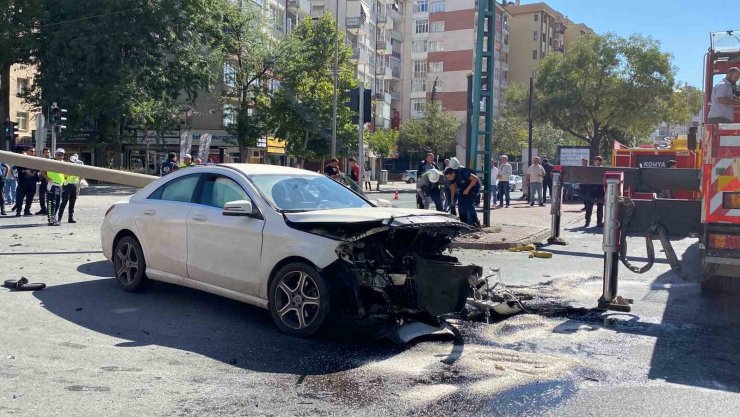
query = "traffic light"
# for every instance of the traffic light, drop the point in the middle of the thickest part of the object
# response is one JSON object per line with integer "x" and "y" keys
{"x": 57, "y": 116}
{"x": 9, "y": 132}
{"x": 354, "y": 105}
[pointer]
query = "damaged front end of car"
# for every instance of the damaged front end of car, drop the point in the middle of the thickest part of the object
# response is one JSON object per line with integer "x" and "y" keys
{"x": 393, "y": 275}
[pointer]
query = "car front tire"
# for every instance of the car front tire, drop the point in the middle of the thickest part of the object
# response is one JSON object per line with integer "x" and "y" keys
{"x": 128, "y": 261}
{"x": 299, "y": 300}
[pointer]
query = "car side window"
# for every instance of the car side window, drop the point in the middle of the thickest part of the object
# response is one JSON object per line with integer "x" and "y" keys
{"x": 180, "y": 189}
{"x": 218, "y": 190}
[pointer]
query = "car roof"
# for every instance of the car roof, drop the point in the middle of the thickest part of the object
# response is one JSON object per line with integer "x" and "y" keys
{"x": 256, "y": 169}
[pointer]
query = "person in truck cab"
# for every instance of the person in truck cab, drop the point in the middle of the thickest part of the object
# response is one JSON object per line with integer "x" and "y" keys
{"x": 723, "y": 98}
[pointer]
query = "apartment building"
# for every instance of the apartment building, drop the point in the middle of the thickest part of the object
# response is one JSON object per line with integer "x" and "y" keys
{"x": 21, "y": 79}
{"x": 536, "y": 31}
{"x": 441, "y": 37}
{"x": 374, "y": 31}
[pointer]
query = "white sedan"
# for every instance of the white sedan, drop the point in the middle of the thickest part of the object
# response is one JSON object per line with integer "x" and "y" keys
{"x": 291, "y": 241}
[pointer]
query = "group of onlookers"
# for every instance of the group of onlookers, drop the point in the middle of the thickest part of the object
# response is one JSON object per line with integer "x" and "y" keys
{"x": 171, "y": 165}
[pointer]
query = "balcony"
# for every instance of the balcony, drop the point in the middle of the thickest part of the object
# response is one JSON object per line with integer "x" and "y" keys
{"x": 505, "y": 48}
{"x": 507, "y": 28}
{"x": 384, "y": 22}
{"x": 395, "y": 95}
{"x": 299, "y": 7}
{"x": 383, "y": 47}
{"x": 504, "y": 66}
{"x": 358, "y": 24}
{"x": 384, "y": 73}
{"x": 397, "y": 35}
{"x": 360, "y": 56}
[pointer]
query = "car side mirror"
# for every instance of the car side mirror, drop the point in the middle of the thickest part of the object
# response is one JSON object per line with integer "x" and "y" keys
{"x": 239, "y": 208}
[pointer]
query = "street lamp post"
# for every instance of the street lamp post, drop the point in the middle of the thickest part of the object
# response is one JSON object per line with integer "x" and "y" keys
{"x": 336, "y": 86}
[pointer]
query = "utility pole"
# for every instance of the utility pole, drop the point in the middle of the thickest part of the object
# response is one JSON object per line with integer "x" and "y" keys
{"x": 336, "y": 86}
{"x": 361, "y": 154}
{"x": 531, "y": 105}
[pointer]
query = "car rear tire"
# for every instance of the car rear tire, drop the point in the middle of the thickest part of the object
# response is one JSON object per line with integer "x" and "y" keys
{"x": 299, "y": 300}
{"x": 128, "y": 261}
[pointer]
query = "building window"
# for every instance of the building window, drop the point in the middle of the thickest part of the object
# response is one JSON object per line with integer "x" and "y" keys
{"x": 229, "y": 75}
{"x": 22, "y": 86}
{"x": 417, "y": 106}
{"x": 418, "y": 86}
{"x": 229, "y": 115}
{"x": 536, "y": 17}
{"x": 422, "y": 26}
{"x": 544, "y": 37}
{"x": 436, "y": 46}
{"x": 437, "y": 27}
{"x": 420, "y": 68}
{"x": 437, "y": 66}
{"x": 536, "y": 35}
{"x": 438, "y": 6}
{"x": 22, "y": 119}
{"x": 421, "y": 6}
{"x": 435, "y": 84}
{"x": 277, "y": 18}
{"x": 419, "y": 46}
{"x": 534, "y": 54}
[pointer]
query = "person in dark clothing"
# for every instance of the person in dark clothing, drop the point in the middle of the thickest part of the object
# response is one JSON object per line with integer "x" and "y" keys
{"x": 464, "y": 186}
{"x": 547, "y": 181}
{"x": 594, "y": 194}
{"x": 27, "y": 179}
{"x": 168, "y": 166}
{"x": 332, "y": 170}
{"x": 44, "y": 183}
{"x": 354, "y": 170}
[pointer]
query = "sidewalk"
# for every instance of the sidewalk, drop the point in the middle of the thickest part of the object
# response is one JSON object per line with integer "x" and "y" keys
{"x": 518, "y": 225}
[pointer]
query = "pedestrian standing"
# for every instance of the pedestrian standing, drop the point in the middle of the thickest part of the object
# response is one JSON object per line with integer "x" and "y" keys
{"x": 582, "y": 188}
{"x": 354, "y": 170}
{"x": 446, "y": 184}
{"x": 368, "y": 173}
{"x": 536, "y": 174}
{"x": 547, "y": 182}
{"x": 70, "y": 191}
{"x": 595, "y": 195}
{"x": 43, "y": 185}
{"x": 494, "y": 184}
{"x": 10, "y": 185}
{"x": 55, "y": 183}
{"x": 27, "y": 179}
{"x": 464, "y": 187}
{"x": 504, "y": 175}
{"x": 168, "y": 166}
{"x": 4, "y": 168}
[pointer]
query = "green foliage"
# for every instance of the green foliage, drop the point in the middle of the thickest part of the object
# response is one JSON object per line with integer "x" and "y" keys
{"x": 603, "y": 87}
{"x": 383, "y": 142}
{"x": 435, "y": 131}
{"x": 684, "y": 103}
{"x": 301, "y": 110}
{"x": 129, "y": 63}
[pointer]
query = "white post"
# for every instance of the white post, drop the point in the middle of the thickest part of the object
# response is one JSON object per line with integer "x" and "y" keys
{"x": 40, "y": 132}
{"x": 361, "y": 154}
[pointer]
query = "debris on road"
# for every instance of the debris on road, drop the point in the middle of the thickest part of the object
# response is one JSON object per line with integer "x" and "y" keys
{"x": 540, "y": 254}
{"x": 23, "y": 285}
{"x": 492, "y": 299}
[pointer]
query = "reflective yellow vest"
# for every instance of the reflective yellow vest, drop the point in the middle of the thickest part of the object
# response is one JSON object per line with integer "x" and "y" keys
{"x": 71, "y": 179}
{"x": 56, "y": 177}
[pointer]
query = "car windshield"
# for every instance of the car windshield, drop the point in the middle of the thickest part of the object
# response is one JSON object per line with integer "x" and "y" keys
{"x": 294, "y": 193}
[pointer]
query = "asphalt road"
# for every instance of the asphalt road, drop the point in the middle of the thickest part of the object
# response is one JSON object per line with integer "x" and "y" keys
{"x": 84, "y": 347}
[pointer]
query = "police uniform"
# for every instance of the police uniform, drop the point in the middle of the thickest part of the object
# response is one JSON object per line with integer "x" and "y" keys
{"x": 69, "y": 194}
{"x": 54, "y": 196}
{"x": 26, "y": 189}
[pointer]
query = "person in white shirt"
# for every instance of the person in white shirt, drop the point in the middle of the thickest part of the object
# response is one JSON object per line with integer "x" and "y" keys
{"x": 536, "y": 174}
{"x": 723, "y": 98}
{"x": 504, "y": 173}
{"x": 494, "y": 184}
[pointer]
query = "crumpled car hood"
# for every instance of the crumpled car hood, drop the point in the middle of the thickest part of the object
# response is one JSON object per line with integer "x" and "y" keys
{"x": 374, "y": 214}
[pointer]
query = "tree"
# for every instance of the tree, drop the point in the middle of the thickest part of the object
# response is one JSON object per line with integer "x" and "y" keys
{"x": 603, "y": 85}
{"x": 435, "y": 131}
{"x": 250, "y": 56}
{"x": 18, "y": 20}
{"x": 301, "y": 108}
{"x": 120, "y": 64}
{"x": 384, "y": 143}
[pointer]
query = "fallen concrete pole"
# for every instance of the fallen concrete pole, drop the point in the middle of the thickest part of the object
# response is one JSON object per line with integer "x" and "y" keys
{"x": 94, "y": 173}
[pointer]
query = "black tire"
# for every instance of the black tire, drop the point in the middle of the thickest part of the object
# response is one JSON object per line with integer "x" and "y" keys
{"x": 298, "y": 290}
{"x": 129, "y": 265}
{"x": 31, "y": 286}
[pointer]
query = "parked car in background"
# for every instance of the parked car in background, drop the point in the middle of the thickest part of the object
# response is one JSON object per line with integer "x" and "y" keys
{"x": 409, "y": 176}
{"x": 515, "y": 182}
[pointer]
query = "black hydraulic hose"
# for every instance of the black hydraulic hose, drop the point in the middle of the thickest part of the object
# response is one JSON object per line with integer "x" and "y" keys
{"x": 627, "y": 213}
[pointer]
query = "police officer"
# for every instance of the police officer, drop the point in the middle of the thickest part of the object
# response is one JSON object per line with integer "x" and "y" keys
{"x": 168, "y": 166}
{"x": 187, "y": 161}
{"x": 56, "y": 181}
{"x": 27, "y": 179}
{"x": 43, "y": 186}
{"x": 69, "y": 194}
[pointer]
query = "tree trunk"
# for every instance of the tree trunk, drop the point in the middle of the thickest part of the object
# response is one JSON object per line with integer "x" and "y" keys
{"x": 380, "y": 168}
{"x": 4, "y": 96}
{"x": 595, "y": 146}
{"x": 243, "y": 153}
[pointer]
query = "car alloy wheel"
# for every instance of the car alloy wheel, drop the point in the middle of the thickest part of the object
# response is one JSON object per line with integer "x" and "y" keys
{"x": 128, "y": 260}
{"x": 299, "y": 300}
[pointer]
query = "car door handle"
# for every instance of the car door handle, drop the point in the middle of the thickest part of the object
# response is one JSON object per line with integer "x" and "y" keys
{"x": 150, "y": 212}
{"x": 199, "y": 218}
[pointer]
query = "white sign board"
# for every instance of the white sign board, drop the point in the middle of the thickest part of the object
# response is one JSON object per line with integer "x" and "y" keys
{"x": 572, "y": 156}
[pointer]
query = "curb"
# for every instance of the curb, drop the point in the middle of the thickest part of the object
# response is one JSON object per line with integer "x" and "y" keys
{"x": 534, "y": 238}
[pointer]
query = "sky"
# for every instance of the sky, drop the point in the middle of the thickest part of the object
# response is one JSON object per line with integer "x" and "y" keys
{"x": 681, "y": 26}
